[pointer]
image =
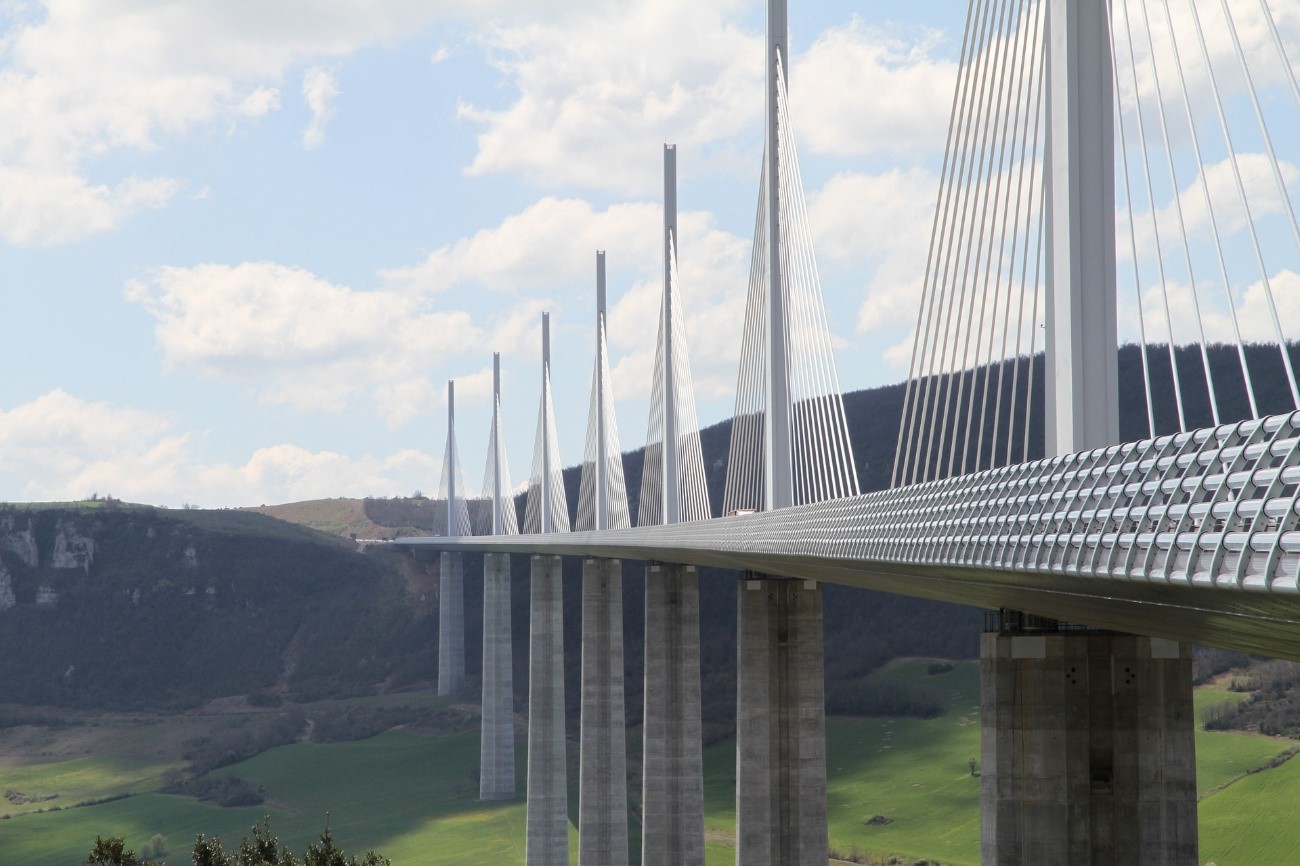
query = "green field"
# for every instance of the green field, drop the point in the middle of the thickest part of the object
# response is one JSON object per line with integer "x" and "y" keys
{"x": 411, "y": 796}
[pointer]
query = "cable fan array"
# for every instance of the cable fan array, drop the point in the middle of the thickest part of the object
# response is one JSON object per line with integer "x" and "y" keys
{"x": 1209, "y": 227}
{"x": 974, "y": 349}
{"x": 692, "y": 494}
{"x": 547, "y": 509}
{"x": 496, "y": 482}
{"x": 1207, "y": 238}
{"x": 602, "y": 423}
{"x": 821, "y": 457}
{"x": 460, "y": 523}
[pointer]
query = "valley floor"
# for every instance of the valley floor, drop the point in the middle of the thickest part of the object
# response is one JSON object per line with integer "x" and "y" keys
{"x": 896, "y": 787}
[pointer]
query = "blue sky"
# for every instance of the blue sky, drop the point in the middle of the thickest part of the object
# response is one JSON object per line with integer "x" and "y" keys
{"x": 242, "y": 251}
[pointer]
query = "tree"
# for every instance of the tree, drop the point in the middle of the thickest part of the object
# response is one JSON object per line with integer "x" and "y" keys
{"x": 111, "y": 852}
{"x": 155, "y": 850}
{"x": 262, "y": 850}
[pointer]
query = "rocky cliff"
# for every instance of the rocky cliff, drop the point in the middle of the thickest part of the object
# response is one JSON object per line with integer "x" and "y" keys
{"x": 141, "y": 607}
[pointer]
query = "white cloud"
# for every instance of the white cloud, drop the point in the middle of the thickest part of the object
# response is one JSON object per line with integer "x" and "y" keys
{"x": 597, "y": 93}
{"x": 319, "y": 89}
{"x": 289, "y": 473}
{"x": 550, "y": 246}
{"x": 1189, "y": 212}
{"x": 260, "y": 102}
{"x": 550, "y": 243}
{"x": 301, "y": 341}
{"x": 585, "y": 115}
{"x": 81, "y": 80}
{"x": 859, "y": 89}
{"x": 1254, "y": 311}
{"x": 39, "y": 208}
{"x": 60, "y": 447}
{"x": 1153, "y": 54}
{"x": 879, "y": 224}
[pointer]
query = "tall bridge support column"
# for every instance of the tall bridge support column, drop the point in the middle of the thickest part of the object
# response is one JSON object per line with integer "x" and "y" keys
{"x": 602, "y": 786}
{"x": 547, "y": 835}
{"x": 1088, "y": 750}
{"x": 451, "y": 623}
{"x": 496, "y": 779}
{"x": 780, "y": 725}
{"x": 672, "y": 796}
{"x": 1087, "y": 737}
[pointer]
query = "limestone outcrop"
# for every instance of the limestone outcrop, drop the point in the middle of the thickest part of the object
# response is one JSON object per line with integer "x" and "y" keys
{"x": 72, "y": 549}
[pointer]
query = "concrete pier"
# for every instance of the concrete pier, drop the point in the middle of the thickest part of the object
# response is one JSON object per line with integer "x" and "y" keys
{"x": 547, "y": 841}
{"x": 780, "y": 724}
{"x": 602, "y": 787}
{"x": 451, "y": 623}
{"x": 673, "y": 770}
{"x": 1088, "y": 750}
{"x": 496, "y": 779}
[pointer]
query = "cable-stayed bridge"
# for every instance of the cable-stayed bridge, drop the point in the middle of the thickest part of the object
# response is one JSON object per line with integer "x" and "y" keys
{"x": 1095, "y": 147}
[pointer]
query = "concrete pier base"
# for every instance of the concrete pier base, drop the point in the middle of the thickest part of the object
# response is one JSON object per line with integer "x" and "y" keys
{"x": 1088, "y": 750}
{"x": 673, "y": 770}
{"x": 602, "y": 776}
{"x": 451, "y": 623}
{"x": 547, "y": 842}
{"x": 496, "y": 780}
{"x": 780, "y": 725}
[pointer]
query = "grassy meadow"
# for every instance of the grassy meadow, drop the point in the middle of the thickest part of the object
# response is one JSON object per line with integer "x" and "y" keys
{"x": 411, "y": 795}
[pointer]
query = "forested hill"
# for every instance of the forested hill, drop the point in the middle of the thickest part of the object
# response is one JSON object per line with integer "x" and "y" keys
{"x": 117, "y": 606}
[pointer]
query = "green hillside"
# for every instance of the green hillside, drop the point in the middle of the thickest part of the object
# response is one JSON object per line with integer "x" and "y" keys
{"x": 411, "y": 793}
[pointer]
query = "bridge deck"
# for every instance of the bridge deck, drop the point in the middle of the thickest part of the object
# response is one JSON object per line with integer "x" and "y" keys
{"x": 1193, "y": 537}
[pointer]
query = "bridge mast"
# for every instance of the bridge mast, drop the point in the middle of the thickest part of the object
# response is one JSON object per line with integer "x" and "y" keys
{"x": 452, "y": 529}
{"x": 451, "y": 574}
{"x": 778, "y": 476}
{"x": 602, "y": 457}
{"x": 498, "y": 513}
{"x": 548, "y": 518}
{"x": 671, "y": 474}
{"x": 1082, "y": 379}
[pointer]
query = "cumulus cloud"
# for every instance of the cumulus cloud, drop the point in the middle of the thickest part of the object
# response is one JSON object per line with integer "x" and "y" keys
{"x": 1157, "y": 48}
{"x": 597, "y": 91}
{"x": 1191, "y": 213}
{"x": 878, "y": 224}
{"x": 319, "y": 89}
{"x": 550, "y": 246}
{"x": 41, "y": 208}
{"x": 860, "y": 89}
{"x": 260, "y": 102}
{"x": 1253, "y": 306}
{"x": 81, "y": 80}
{"x": 297, "y": 339}
{"x": 60, "y": 446}
{"x": 550, "y": 243}
{"x": 583, "y": 113}
{"x": 300, "y": 340}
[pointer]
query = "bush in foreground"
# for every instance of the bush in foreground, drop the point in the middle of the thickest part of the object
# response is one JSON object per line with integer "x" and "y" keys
{"x": 262, "y": 850}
